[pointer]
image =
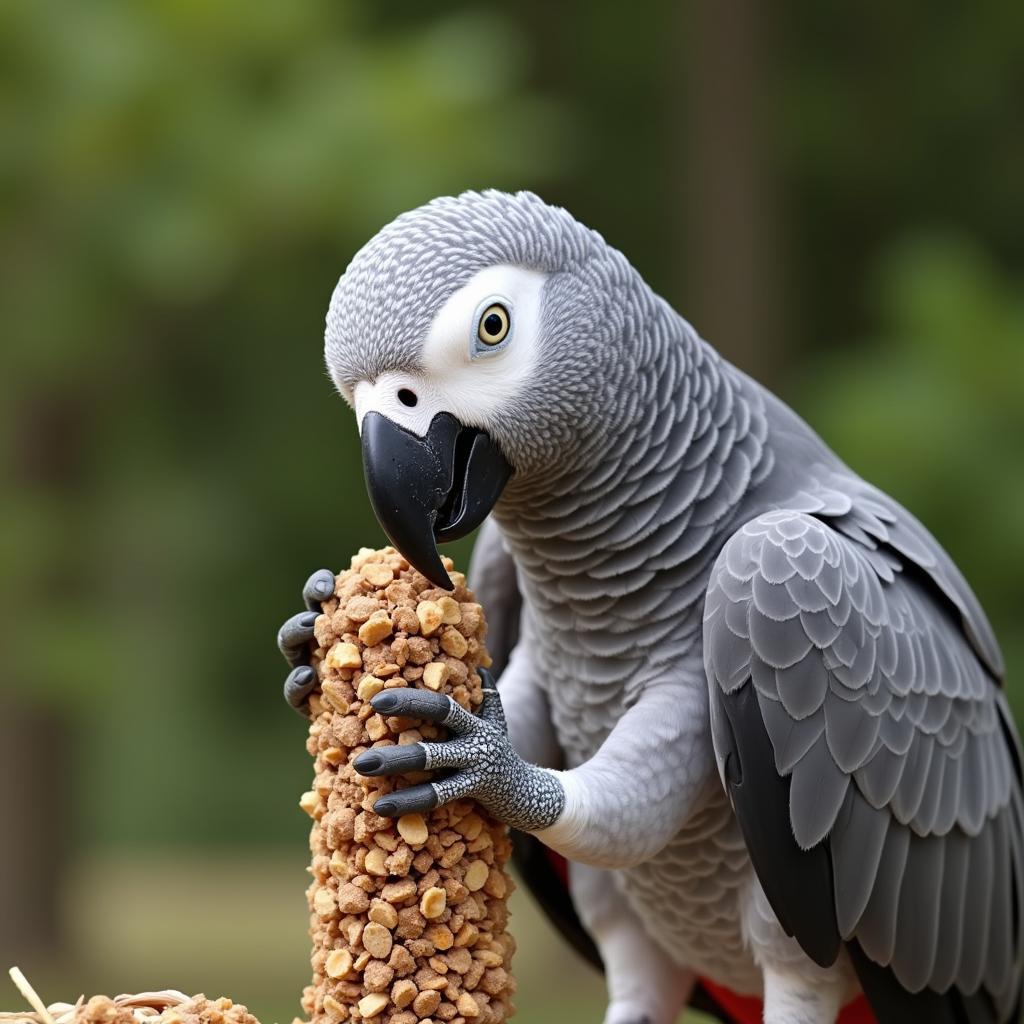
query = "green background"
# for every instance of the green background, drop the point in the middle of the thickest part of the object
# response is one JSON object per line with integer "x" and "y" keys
{"x": 831, "y": 195}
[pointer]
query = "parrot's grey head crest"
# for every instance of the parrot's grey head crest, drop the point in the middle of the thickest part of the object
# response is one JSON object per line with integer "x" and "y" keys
{"x": 478, "y": 337}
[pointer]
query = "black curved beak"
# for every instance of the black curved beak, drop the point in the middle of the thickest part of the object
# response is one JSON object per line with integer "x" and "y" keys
{"x": 429, "y": 489}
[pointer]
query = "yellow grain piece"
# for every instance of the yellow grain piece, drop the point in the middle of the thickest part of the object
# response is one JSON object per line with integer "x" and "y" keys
{"x": 467, "y": 1006}
{"x": 435, "y": 675}
{"x": 433, "y": 902}
{"x": 376, "y": 862}
{"x": 338, "y": 963}
{"x": 453, "y": 643}
{"x": 343, "y": 655}
{"x": 373, "y": 1004}
{"x": 451, "y": 613}
{"x": 369, "y": 686}
{"x": 377, "y": 940}
{"x": 413, "y": 829}
{"x": 430, "y": 615}
{"x": 476, "y": 876}
{"x": 377, "y": 573}
{"x": 375, "y": 628}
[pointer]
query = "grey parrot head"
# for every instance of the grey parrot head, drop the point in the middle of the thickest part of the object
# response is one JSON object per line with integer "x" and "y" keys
{"x": 480, "y": 339}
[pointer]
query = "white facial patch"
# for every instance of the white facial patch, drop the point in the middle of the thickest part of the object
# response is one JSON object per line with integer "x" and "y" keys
{"x": 472, "y": 385}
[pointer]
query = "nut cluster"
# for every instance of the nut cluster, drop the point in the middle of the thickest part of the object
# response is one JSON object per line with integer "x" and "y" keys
{"x": 161, "y": 1008}
{"x": 168, "y": 1006}
{"x": 408, "y": 917}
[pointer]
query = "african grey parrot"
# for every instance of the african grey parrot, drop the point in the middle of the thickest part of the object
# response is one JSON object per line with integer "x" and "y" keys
{"x": 748, "y": 696}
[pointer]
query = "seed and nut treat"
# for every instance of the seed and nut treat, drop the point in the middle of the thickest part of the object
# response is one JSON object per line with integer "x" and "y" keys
{"x": 168, "y": 1006}
{"x": 196, "y": 1010}
{"x": 408, "y": 917}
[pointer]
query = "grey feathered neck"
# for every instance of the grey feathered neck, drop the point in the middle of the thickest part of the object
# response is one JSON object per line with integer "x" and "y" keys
{"x": 616, "y": 550}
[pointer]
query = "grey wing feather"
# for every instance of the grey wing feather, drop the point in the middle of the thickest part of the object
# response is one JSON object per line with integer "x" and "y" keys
{"x": 877, "y": 689}
{"x": 978, "y": 911}
{"x": 829, "y": 490}
{"x": 816, "y": 793}
{"x": 876, "y": 930}
{"x": 952, "y": 901}
{"x": 859, "y": 839}
{"x": 919, "y": 908}
{"x": 493, "y": 578}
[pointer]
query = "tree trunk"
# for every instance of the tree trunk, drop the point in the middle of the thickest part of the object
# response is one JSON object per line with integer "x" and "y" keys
{"x": 33, "y": 830}
{"x": 36, "y": 784}
{"x": 721, "y": 130}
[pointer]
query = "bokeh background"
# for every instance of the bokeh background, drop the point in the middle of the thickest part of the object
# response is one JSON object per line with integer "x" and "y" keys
{"x": 832, "y": 194}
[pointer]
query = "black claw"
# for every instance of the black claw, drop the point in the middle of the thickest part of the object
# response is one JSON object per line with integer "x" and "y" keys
{"x": 434, "y": 707}
{"x": 407, "y": 801}
{"x": 298, "y": 629}
{"x": 294, "y": 635}
{"x": 487, "y": 681}
{"x": 318, "y": 588}
{"x": 385, "y": 703}
{"x": 297, "y": 687}
{"x": 409, "y": 757}
{"x": 368, "y": 763}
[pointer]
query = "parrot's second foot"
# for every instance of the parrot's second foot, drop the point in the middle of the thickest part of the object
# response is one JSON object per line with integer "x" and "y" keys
{"x": 657, "y": 1007}
{"x": 627, "y": 1016}
{"x": 652, "y": 1010}
{"x": 644, "y": 985}
{"x": 293, "y": 640}
{"x": 479, "y": 761}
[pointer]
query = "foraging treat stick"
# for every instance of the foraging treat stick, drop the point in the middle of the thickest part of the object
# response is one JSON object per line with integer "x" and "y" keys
{"x": 408, "y": 917}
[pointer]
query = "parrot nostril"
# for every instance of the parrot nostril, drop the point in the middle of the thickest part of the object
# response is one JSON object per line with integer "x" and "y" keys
{"x": 407, "y": 397}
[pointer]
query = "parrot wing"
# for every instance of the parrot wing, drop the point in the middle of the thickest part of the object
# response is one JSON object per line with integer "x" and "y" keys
{"x": 870, "y": 754}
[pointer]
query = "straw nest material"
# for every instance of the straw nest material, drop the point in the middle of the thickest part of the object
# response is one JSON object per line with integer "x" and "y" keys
{"x": 167, "y": 1007}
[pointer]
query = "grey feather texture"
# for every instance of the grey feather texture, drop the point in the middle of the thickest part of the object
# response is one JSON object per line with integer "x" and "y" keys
{"x": 930, "y": 759}
{"x": 948, "y": 711}
{"x": 670, "y": 523}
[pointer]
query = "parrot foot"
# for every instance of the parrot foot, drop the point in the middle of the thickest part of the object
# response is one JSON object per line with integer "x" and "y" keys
{"x": 478, "y": 757}
{"x": 628, "y": 1012}
{"x": 294, "y": 637}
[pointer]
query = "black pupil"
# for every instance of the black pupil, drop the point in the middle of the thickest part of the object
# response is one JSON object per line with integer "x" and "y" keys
{"x": 407, "y": 397}
{"x": 493, "y": 324}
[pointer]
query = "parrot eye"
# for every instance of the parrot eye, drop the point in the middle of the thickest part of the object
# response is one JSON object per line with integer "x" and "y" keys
{"x": 494, "y": 325}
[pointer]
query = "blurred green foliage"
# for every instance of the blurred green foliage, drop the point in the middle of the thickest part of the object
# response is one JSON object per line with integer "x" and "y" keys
{"x": 182, "y": 182}
{"x": 182, "y": 186}
{"x": 893, "y": 118}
